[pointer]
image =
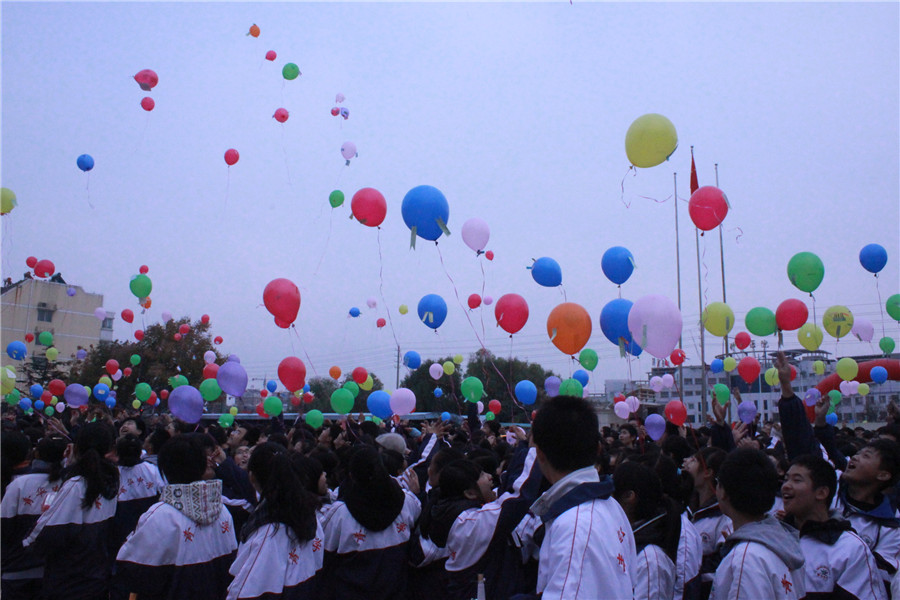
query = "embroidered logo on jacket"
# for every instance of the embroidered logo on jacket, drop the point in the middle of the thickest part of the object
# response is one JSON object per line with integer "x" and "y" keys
{"x": 401, "y": 527}
{"x": 188, "y": 535}
{"x": 360, "y": 537}
{"x": 621, "y": 560}
{"x": 292, "y": 556}
{"x": 317, "y": 545}
{"x": 226, "y": 527}
{"x": 822, "y": 572}
{"x": 621, "y": 533}
{"x": 27, "y": 500}
{"x": 786, "y": 583}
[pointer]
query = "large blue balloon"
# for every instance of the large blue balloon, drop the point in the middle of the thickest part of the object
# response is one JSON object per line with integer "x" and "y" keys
{"x": 16, "y": 350}
{"x": 25, "y": 403}
{"x": 425, "y": 208}
{"x": 36, "y": 391}
{"x": 526, "y": 392}
{"x": 717, "y": 365}
{"x": 379, "y": 404}
{"x": 614, "y": 324}
{"x": 85, "y": 162}
{"x": 232, "y": 378}
{"x": 412, "y": 359}
{"x": 432, "y": 310}
{"x": 873, "y": 258}
{"x": 878, "y": 374}
{"x": 617, "y": 264}
{"x": 581, "y": 376}
{"x": 438, "y": 392}
{"x": 76, "y": 395}
{"x": 546, "y": 272}
{"x": 101, "y": 391}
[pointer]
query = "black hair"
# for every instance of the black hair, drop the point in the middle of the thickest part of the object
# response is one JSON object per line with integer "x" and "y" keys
{"x": 494, "y": 426}
{"x": 711, "y": 458}
{"x": 393, "y": 461}
{"x": 632, "y": 476}
{"x": 185, "y": 428}
{"x": 629, "y": 428}
{"x": 330, "y": 462}
{"x": 139, "y": 423}
{"x": 457, "y": 477}
{"x": 128, "y": 449}
{"x": 677, "y": 448}
{"x": 182, "y": 459}
{"x": 889, "y": 453}
{"x": 217, "y": 433}
{"x": 565, "y": 430}
{"x": 821, "y": 473}
{"x": 750, "y": 480}
{"x": 15, "y": 449}
{"x": 52, "y": 450}
{"x": 92, "y": 443}
{"x": 251, "y": 435}
{"x": 287, "y": 500}
{"x": 279, "y": 438}
{"x": 157, "y": 438}
{"x": 370, "y": 428}
{"x": 487, "y": 461}
{"x": 309, "y": 470}
{"x": 445, "y": 456}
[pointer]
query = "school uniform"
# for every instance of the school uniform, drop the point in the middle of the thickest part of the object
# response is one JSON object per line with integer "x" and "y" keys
{"x": 654, "y": 570}
{"x": 714, "y": 528}
{"x": 879, "y": 528}
{"x": 688, "y": 561}
{"x": 139, "y": 487}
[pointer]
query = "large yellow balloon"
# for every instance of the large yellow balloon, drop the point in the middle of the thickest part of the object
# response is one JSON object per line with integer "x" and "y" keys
{"x": 810, "y": 336}
{"x": 730, "y": 363}
{"x": 449, "y": 367}
{"x": 7, "y": 380}
{"x": 838, "y": 321}
{"x": 863, "y": 389}
{"x": 771, "y": 376}
{"x": 650, "y": 140}
{"x": 7, "y": 201}
{"x": 717, "y": 318}
{"x": 368, "y": 383}
{"x": 847, "y": 368}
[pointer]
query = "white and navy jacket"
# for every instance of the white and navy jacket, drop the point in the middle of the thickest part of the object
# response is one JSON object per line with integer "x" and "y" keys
{"x": 271, "y": 564}
{"x": 879, "y": 529}
{"x": 19, "y": 512}
{"x": 654, "y": 574}
{"x": 139, "y": 488}
{"x": 714, "y": 528}
{"x": 689, "y": 558}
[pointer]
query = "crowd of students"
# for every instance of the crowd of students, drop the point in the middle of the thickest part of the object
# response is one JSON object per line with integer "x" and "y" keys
{"x": 150, "y": 508}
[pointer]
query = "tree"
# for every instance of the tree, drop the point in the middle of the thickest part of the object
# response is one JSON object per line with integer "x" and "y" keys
{"x": 322, "y": 387}
{"x": 500, "y": 376}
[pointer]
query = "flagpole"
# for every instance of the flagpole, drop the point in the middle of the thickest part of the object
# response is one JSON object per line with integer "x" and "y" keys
{"x": 695, "y": 184}
{"x": 678, "y": 271}
{"x": 722, "y": 262}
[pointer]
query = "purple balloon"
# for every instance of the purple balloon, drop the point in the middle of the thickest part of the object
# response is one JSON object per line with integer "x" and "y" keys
{"x": 70, "y": 292}
{"x": 812, "y": 396}
{"x": 186, "y": 403}
{"x": 100, "y": 313}
{"x": 655, "y": 426}
{"x": 746, "y": 411}
{"x": 551, "y": 385}
{"x": 81, "y": 354}
{"x": 234, "y": 358}
{"x": 232, "y": 377}
{"x": 76, "y": 395}
{"x": 655, "y": 325}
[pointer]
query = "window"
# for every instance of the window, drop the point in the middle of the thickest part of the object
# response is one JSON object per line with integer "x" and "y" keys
{"x": 107, "y": 323}
{"x": 45, "y": 314}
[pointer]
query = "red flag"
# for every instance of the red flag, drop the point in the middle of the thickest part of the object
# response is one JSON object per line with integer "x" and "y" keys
{"x": 695, "y": 185}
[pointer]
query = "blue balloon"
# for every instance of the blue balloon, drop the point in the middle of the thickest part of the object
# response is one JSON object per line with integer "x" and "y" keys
{"x": 551, "y": 385}
{"x": 445, "y": 416}
{"x": 25, "y": 404}
{"x": 85, "y": 162}
{"x": 426, "y": 209}
{"x": 16, "y": 350}
{"x": 379, "y": 404}
{"x": 36, "y": 391}
{"x": 412, "y": 359}
{"x": 547, "y": 272}
{"x": 717, "y": 365}
{"x": 878, "y": 374}
{"x": 70, "y": 292}
{"x": 38, "y": 405}
{"x": 306, "y": 388}
{"x": 526, "y": 392}
{"x": 438, "y": 392}
{"x": 873, "y": 257}
{"x": 271, "y": 385}
{"x": 617, "y": 264}
{"x": 354, "y": 312}
{"x": 111, "y": 402}
{"x": 831, "y": 419}
{"x": 614, "y": 324}
{"x": 101, "y": 391}
{"x": 76, "y": 395}
{"x": 581, "y": 376}
{"x": 432, "y": 310}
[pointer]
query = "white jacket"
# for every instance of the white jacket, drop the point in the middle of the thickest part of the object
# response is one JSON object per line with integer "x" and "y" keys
{"x": 690, "y": 554}
{"x": 654, "y": 575}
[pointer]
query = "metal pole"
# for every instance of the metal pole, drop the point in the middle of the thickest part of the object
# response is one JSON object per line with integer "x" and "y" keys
{"x": 702, "y": 337}
{"x": 678, "y": 272}
{"x": 722, "y": 261}
{"x": 397, "y": 385}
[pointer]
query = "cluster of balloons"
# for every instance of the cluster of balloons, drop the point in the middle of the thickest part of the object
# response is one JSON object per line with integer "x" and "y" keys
{"x": 147, "y": 80}
{"x": 42, "y": 268}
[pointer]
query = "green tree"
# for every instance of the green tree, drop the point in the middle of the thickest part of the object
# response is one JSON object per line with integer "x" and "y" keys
{"x": 500, "y": 376}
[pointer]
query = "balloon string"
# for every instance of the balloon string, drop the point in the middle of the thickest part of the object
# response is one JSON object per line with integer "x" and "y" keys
{"x": 563, "y": 292}
{"x": 622, "y": 185}
{"x": 381, "y": 288}
{"x": 305, "y": 353}
{"x": 481, "y": 264}
{"x": 327, "y": 241}
{"x": 880, "y": 307}
{"x": 227, "y": 186}
{"x": 87, "y": 187}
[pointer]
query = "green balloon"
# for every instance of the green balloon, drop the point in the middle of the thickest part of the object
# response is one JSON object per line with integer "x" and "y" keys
{"x": 490, "y": 416}
{"x": 886, "y": 344}
{"x": 45, "y": 338}
{"x": 760, "y": 321}
{"x": 135, "y": 360}
{"x": 835, "y": 397}
{"x": 13, "y": 397}
{"x": 352, "y": 387}
{"x": 272, "y": 406}
{"x": 342, "y": 401}
{"x": 89, "y": 391}
{"x": 472, "y": 389}
{"x": 893, "y": 307}
{"x": 142, "y": 391}
{"x": 290, "y": 71}
{"x": 210, "y": 390}
{"x": 49, "y": 410}
{"x": 336, "y": 198}
{"x": 722, "y": 393}
{"x": 588, "y": 359}
{"x": 806, "y": 271}
{"x": 226, "y": 420}
{"x": 571, "y": 387}
{"x": 177, "y": 381}
{"x": 315, "y": 419}
{"x": 141, "y": 285}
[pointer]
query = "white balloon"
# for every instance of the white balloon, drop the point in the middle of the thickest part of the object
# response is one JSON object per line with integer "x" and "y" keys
{"x": 854, "y": 387}
{"x": 863, "y": 329}
{"x": 633, "y": 403}
{"x": 656, "y": 383}
{"x": 655, "y": 324}
{"x": 668, "y": 381}
{"x": 621, "y": 409}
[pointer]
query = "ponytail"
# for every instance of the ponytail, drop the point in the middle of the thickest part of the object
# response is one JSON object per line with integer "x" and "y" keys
{"x": 99, "y": 474}
{"x": 287, "y": 500}
{"x": 52, "y": 450}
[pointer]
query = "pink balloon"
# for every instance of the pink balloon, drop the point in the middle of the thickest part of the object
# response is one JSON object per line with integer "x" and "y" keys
{"x": 339, "y": 98}
{"x": 100, "y": 313}
{"x": 166, "y": 316}
{"x": 656, "y": 383}
{"x": 668, "y": 381}
{"x": 476, "y": 234}
{"x": 281, "y": 115}
{"x": 271, "y": 55}
{"x": 371, "y": 303}
{"x": 488, "y": 300}
{"x": 632, "y": 402}
{"x": 854, "y": 387}
{"x": 863, "y": 329}
{"x": 348, "y": 150}
{"x": 403, "y": 401}
{"x": 655, "y": 324}
{"x": 435, "y": 370}
{"x": 621, "y": 409}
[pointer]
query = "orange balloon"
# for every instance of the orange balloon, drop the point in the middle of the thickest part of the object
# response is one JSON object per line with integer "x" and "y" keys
{"x": 254, "y": 30}
{"x": 569, "y": 327}
{"x": 335, "y": 372}
{"x": 147, "y": 303}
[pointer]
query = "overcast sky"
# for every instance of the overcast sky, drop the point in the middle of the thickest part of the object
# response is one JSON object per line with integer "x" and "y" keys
{"x": 516, "y": 112}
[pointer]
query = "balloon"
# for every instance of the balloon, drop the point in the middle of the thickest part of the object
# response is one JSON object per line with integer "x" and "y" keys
{"x": 25, "y": 404}
{"x": 30, "y": 262}
{"x": 218, "y": 340}
{"x": 490, "y": 416}
{"x": 551, "y": 385}
{"x": 569, "y": 327}
{"x": 717, "y": 365}
{"x": 342, "y": 401}
{"x": 676, "y": 358}
{"x": 472, "y": 389}
{"x": 371, "y": 303}
{"x": 16, "y": 350}
{"x": 476, "y": 234}
{"x": 112, "y": 365}
{"x": 147, "y": 79}
{"x": 81, "y": 354}
{"x": 204, "y": 319}
{"x": 805, "y": 271}
{"x": 878, "y": 374}
{"x": 650, "y": 140}
{"x": 412, "y": 359}
{"x": 810, "y": 336}
{"x": 729, "y": 364}
{"x": 354, "y": 312}
{"x": 668, "y": 380}
{"x": 425, "y": 211}
{"x": 708, "y": 207}
{"x": 812, "y": 396}
{"x": 445, "y": 416}
{"x": 76, "y": 395}
{"x": 847, "y": 368}
{"x": 128, "y": 315}
{"x": 656, "y": 383}
{"x": 177, "y": 381}
{"x": 873, "y": 257}
{"x": 281, "y": 115}
{"x": 717, "y": 318}
{"x": 186, "y": 403}
{"x": 621, "y": 409}
{"x": 655, "y": 426}
{"x": 838, "y": 321}
{"x": 489, "y": 255}
{"x": 853, "y": 386}
{"x": 29, "y": 337}
{"x": 403, "y": 309}
{"x": 290, "y": 71}
{"x": 819, "y": 367}
{"x": 448, "y": 367}
{"x": 790, "y": 314}
{"x": 36, "y": 391}
{"x": 60, "y": 407}
{"x": 142, "y": 391}
{"x": 746, "y": 411}
{"x": 292, "y": 373}
{"x": 231, "y": 156}
{"x": 656, "y": 322}
{"x": 831, "y": 419}
{"x": 588, "y": 359}
{"x": 760, "y": 321}
{"x": 863, "y": 329}
{"x": 210, "y": 371}
{"x": 7, "y": 202}
{"x": 886, "y": 344}
{"x": 403, "y": 402}
{"x": 272, "y": 406}
{"x": 336, "y": 198}
{"x": 314, "y": 418}
{"x": 368, "y": 206}
{"x": 436, "y": 370}
{"x": 271, "y": 55}
{"x": 44, "y": 268}
{"x": 166, "y": 316}
{"x": 45, "y": 338}
{"x": 488, "y": 300}
{"x": 893, "y": 307}
{"x": 546, "y": 272}
{"x": 232, "y": 378}
{"x": 348, "y": 151}
{"x": 771, "y": 376}
{"x": 352, "y": 387}
{"x": 379, "y": 404}
{"x": 52, "y": 353}
{"x": 226, "y": 420}
{"x": 748, "y": 368}
{"x": 101, "y": 392}
{"x": 147, "y": 103}
{"x": 85, "y": 162}
{"x": 862, "y": 389}
{"x": 526, "y": 392}
{"x": 359, "y": 375}
{"x": 844, "y": 387}
{"x": 494, "y": 406}
{"x": 722, "y": 393}
{"x": 282, "y": 299}
{"x": 380, "y": 323}
{"x": 511, "y": 313}
{"x": 139, "y": 334}
{"x": 571, "y": 387}
{"x": 474, "y": 301}
{"x": 581, "y": 376}
{"x": 676, "y": 413}
{"x": 617, "y": 264}
{"x": 184, "y": 329}
{"x": 56, "y": 387}
{"x": 432, "y": 310}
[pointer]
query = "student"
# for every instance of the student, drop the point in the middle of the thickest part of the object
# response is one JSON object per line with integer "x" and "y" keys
{"x": 184, "y": 544}
{"x": 762, "y": 558}
{"x": 153, "y": 443}
{"x": 281, "y": 551}
{"x": 139, "y": 485}
{"x": 588, "y": 549}
{"x": 838, "y": 563}
{"x": 72, "y": 535}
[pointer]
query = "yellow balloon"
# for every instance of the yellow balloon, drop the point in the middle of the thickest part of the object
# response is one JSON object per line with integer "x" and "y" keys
{"x": 650, "y": 140}
{"x": 810, "y": 336}
{"x": 52, "y": 353}
{"x": 771, "y": 376}
{"x": 847, "y": 368}
{"x": 53, "y": 401}
{"x": 458, "y": 359}
{"x": 863, "y": 389}
{"x": 838, "y": 321}
{"x": 367, "y": 384}
{"x": 449, "y": 367}
{"x": 105, "y": 380}
{"x": 7, "y": 380}
{"x": 819, "y": 367}
{"x": 136, "y": 403}
{"x": 233, "y": 410}
{"x": 7, "y": 201}
{"x": 403, "y": 309}
{"x": 718, "y": 318}
{"x": 730, "y": 363}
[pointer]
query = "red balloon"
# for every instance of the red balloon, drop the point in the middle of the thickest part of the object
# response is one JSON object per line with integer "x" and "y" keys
{"x": 474, "y": 301}
{"x": 147, "y": 79}
{"x": 204, "y": 319}
{"x": 139, "y": 334}
{"x": 494, "y": 406}
{"x": 126, "y": 371}
{"x": 46, "y": 396}
{"x": 112, "y": 365}
{"x": 231, "y": 156}
{"x": 676, "y": 413}
{"x": 263, "y": 393}
{"x": 380, "y": 323}
{"x": 295, "y": 401}
{"x": 152, "y": 399}
{"x": 144, "y": 269}
{"x": 210, "y": 370}
{"x": 281, "y": 115}
{"x": 511, "y": 312}
{"x": 184, "y": 329}
{"x": 29, "y": 337}
{"x": 359, "y": 375}
{"x": 218, "y": 340}
{"x": 335, "y": 111}
{"x": 270, "y": 55}
{"x": 30, "y": 262}
{"x": 282, "y": 299}
{"x": 619, "y": 398}
{"x": 292, "y": 373}
{"x": 148, "y": 104}
{"x": 164, "y": 394}
{"x": 369, "y": 207}
{"x": 44, "y": 268}
{"x": 57, "y": 387}
{"x": 793, "y": 372}
{"x": 708, "y": 207}
{"x": 748, "y": 369}
{"x": 742, "y": 340}
{"x": 677, "y": 357}
{"x": 489, "y": 255}
{"x": 261, "y": 412}
{"x": 177, "y": 337}
{"x": 791, "y": 314}
{"x": 128, "y": 315}
{"x": 308, "y": 397}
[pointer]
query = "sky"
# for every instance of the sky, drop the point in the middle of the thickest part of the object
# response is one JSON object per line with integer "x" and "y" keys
{"x": 517, "y": 112}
